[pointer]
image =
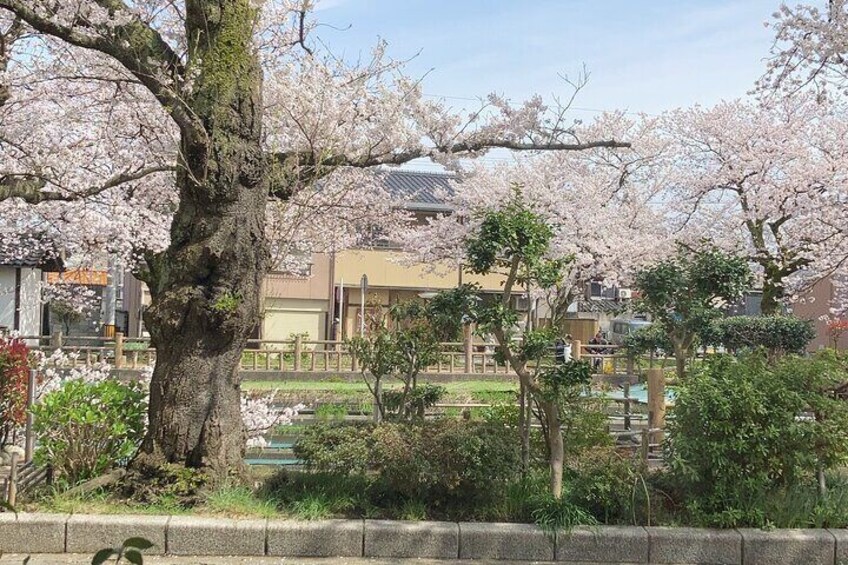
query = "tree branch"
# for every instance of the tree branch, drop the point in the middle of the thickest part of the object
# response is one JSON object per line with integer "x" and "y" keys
{"x": 30, "y": 188}
{"x": 135, "y": 45}
{"x": 310, "y": 167}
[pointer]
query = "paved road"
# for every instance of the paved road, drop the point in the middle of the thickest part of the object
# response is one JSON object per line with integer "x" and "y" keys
{"x": 86, "y": 560}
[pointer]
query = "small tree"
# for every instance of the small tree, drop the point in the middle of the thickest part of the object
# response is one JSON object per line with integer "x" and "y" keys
{"x": 516, "y": 242}
{"x": 683, "y": 294}
{"x": 403, "y": 344}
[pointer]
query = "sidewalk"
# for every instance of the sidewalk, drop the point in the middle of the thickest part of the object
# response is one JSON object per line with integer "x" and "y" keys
{"x": 68, "y": 559}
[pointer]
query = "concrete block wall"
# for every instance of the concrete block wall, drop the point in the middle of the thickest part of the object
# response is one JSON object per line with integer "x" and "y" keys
{"x": 191, "y": 535}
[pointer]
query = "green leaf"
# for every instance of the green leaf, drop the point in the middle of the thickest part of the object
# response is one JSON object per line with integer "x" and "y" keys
{"x": 101, "y": 556}
{"x": 139, "y": 543}
{"x": 134, "y": 557}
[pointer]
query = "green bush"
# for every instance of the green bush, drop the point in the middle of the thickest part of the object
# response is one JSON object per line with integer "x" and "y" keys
{"x": 85, "y": 428}
{"x": 343, "y": 449}
{"x": 777, "y": 334}
{"x": 743, "y": 429}
{"x": 445, "y": 459}
{"x": 605, "y": 484}
{"x": 652, "y": 339}
{"x": 444, "y": 462}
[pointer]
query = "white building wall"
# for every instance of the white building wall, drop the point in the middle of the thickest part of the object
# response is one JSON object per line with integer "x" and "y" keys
{"x": 30, "y": 301}
{"x": 30, "y": 296}
{"x": 7, "y": 297}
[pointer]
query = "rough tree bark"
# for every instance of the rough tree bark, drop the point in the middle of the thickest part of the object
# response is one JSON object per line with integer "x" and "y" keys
{"x": 205, "y": 287}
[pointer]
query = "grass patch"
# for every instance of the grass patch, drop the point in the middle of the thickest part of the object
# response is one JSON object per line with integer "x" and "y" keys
{"x": 240, "y": 501}
{"x": 98, "y": 502}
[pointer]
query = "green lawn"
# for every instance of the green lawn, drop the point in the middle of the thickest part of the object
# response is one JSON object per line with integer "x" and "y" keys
{"x": 322, "y": 392}
{"x": 468, "y": 387}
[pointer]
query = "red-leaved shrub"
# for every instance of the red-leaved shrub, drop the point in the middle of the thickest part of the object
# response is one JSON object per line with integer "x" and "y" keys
{"x": 14, "y": 369}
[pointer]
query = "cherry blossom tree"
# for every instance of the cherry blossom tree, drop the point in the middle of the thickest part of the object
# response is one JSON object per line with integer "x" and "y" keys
{"x": 605, "y": 207}
{"x": 767, "y": 181}
{"x": 810, "y": 55}
{"x": 190, "y": 115}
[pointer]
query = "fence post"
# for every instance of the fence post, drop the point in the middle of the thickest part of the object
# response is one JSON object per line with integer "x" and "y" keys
{"x": 631, "y": 365}
{"x": 12, "y": 495}
{"x": 56, "y": 339}
{"x": 646, "y": 445}
{"x": 627, "y": 406}
{"x": 656, "y": 401}
{"x": 468, "y": 344}
{"x": 575, "y": 349}
{"x": 298, "y": 350}
{"x": 28, "y": 437}
{"x": 119, "y": 350}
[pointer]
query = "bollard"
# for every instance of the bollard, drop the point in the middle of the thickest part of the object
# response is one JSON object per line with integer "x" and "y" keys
{"x": 12, "y": 494}
{"x": 298, "y": 350}
{"x": 119, "y": 350}
{"x": 656, "y": 401}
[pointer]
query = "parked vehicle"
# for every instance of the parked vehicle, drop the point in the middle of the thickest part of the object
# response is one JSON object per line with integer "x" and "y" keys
{"x": 620, "y": 328}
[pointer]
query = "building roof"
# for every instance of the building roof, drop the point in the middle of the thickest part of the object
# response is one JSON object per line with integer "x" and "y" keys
{"x": 420, "y": 190}
{"x": 602, "y": 306}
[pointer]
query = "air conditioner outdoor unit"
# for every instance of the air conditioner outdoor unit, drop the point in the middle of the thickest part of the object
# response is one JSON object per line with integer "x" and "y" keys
{"x": 625, "y": 294}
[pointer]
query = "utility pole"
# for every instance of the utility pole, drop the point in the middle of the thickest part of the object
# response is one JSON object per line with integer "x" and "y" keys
{"x": 110, "y": 298}
{"x": 363, "y": 289}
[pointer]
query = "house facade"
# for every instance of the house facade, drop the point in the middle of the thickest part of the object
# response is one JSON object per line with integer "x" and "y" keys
{"x": 329, "y": 303}
{"x": 20, "y": 299}
{"x": 21, "y": 306}
{"x": 815, "y": 306}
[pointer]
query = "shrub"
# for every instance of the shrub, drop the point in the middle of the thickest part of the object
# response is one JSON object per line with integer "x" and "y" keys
{"x": 343, "y": 449}
{"x": 447, "y": 459}
{"x": 777, "y": 334}
{"x": 743, "y": 429}
{"x": 445, "y": 462}
{"x": 605, "y": 484}
{"x": 652, "y": 339}
{"x": 14, "y": 372}
{"x": 85, "y": 428}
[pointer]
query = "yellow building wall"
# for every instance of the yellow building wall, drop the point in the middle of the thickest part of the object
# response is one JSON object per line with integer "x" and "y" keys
{"x": 286, "y": 316}
{"x": 385, "y": 269}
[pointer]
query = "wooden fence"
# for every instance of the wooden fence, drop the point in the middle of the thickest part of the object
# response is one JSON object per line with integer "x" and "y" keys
{"x": 318, "y": 356}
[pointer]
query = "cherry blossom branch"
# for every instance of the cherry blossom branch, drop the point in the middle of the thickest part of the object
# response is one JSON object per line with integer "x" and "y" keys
{"x": 31, "y": 187}
{"x": 131, "y": 42}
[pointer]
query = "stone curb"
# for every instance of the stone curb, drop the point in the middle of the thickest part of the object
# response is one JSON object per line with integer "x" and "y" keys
{"x": 187, "y": 535}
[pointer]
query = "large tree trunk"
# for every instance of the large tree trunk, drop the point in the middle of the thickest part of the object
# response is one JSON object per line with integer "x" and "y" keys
{"x": 773, "y": 291}
{"x": 206, "y": 286}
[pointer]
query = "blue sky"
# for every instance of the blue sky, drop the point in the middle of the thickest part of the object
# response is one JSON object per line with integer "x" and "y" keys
{"x": 643, "y": 55}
